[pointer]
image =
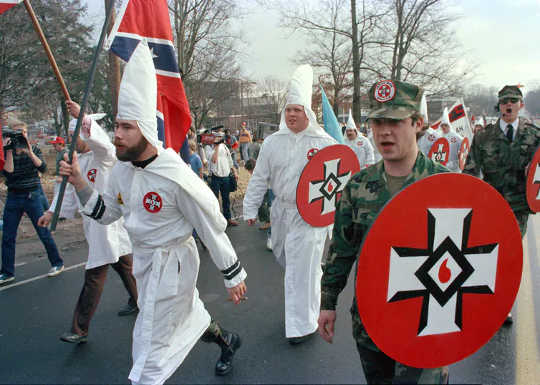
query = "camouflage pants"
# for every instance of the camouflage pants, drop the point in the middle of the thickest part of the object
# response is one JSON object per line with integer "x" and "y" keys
{"x": 381, "y": 369}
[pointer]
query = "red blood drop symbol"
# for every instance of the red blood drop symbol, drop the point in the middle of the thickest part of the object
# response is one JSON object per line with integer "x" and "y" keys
{"x": 330, "y": 187}
{"x": 444, "y": 272}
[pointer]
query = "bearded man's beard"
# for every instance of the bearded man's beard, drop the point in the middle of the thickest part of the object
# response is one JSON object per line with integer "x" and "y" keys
{"x": 132, "y": 153}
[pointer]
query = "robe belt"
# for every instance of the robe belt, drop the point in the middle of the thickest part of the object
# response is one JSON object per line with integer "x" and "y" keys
{"x": 148, "y": 306}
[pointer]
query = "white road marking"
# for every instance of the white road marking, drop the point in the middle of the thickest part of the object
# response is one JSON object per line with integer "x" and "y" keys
{"x": 527, "y": 356}
{"x": 38, "y": 277}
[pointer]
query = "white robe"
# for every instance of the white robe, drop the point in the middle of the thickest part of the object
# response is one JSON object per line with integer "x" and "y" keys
{"x": 298, "y": 247}
{"x": 454, "y": 140}
{"x": 106, "y": 243}
{"x": 363, "y": 150}
{"x": 172, "y": 317}
{"x": 427, "y": 140}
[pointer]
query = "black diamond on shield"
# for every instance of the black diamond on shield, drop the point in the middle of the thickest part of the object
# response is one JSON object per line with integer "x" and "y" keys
{"x": 331, "y": 183}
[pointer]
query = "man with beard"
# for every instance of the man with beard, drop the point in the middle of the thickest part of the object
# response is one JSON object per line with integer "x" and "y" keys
{"x": 162, "y": 201}
{"x": 503, "y": 151}
{"x": 107, "y": 245}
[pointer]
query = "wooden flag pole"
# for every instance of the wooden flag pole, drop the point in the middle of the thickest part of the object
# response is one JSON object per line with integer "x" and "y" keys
{"x": 92, "y": 72}
{"x": 39, "y": 31}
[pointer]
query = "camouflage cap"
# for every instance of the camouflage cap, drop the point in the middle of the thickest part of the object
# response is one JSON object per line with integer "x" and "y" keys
{"x": 510, "y": 92}
{"x": 394, "y": 99}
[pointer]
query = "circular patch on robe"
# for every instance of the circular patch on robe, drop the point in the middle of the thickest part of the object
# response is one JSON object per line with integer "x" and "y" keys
{"x": 91, "y": 175}
{"x": 360, "y": 143}
{"x": 385, "y": 91}
{"x": 311, "y": 153}
{"x": 152, "y": 202}
{"x": 453, "y": 140}
{"x": 440, "y": 151}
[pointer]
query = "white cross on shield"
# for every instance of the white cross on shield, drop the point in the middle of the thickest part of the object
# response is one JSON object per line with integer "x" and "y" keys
{"x": 328, "y": 188}
{"x": 447, "y": 269}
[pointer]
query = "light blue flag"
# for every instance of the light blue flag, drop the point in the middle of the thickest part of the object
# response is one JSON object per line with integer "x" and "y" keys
{"x": 331, "y": 124}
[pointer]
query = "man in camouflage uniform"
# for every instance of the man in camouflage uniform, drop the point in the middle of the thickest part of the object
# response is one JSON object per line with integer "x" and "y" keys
{"x": 395, "y": 119}
{"x": 503, "y": 152}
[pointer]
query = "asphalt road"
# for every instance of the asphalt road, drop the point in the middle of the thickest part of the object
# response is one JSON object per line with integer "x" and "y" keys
{"x": 34, "y": 314}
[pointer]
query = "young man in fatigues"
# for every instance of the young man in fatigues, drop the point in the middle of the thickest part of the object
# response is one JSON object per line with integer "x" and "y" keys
{"x": 503, "y": 151}
{"x": 395, "y": 122}
{"x": 162, "y": 201}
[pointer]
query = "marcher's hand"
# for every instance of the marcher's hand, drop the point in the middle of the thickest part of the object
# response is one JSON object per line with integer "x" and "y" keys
{"x": 45, "y": 219}
{"x": 251, "y": 222}
{"x": 73, "y": 108}
{"x": 5, "y": 141}
{"x": 327, "y": 319}
{"x": 237, "y": 293}
{"x": 72, "y": 171}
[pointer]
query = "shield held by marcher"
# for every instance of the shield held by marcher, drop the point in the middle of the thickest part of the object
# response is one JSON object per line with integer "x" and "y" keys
{"x": 533, "y": 183}
{"x": 463, "y": 152}
{"x": 322, "y": 181}
{"x": 439, "y": 270}
{"x": 440, "y": 151}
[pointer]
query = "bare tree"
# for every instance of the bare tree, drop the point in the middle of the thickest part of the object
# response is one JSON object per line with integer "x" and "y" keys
{"x": 421, "y": 47}
{"x": 206, "y": 52}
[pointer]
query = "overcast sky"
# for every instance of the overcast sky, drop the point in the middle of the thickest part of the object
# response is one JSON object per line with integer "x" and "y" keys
{"x": 501, "y": 36}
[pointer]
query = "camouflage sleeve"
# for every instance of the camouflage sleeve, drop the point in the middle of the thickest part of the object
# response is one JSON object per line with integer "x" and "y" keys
{"x": 474, "y": 159}
{"x": 342, "y": 253}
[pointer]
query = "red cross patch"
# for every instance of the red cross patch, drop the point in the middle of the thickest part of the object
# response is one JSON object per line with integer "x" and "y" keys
{"x": 152, "y": 202}
{"x": 91, "y": 175}
{"x": 311, "y": 153}
{"x": 385, "y": 91}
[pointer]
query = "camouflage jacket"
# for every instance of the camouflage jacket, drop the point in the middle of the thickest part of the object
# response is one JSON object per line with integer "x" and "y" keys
{"x": 503, "y": 163}
{"x": 361, "y": 201}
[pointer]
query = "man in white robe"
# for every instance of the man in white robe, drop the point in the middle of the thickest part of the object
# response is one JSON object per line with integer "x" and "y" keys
{"x": 162, "y": 201}
{"x": 298, "y": 246}
{"x": 359, "y": 144}
{"x": 454, "y": 140}
{"x": 107, "y": 245}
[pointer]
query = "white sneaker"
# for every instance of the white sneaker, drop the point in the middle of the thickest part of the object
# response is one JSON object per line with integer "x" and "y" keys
{"x": 269, "y": 244}
{"x": 55, "y": 270}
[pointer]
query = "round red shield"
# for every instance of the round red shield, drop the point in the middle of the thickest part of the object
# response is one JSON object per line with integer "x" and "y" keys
{"x": 91, "y": 175}
{"x": 533, "y": 183}
{"x": 463, "y": 152}
{"x": 322, "y": 181}
{"x": 152, "y": 202}
{"x": 437, "y": 276}
{"x": 440, "y": 151}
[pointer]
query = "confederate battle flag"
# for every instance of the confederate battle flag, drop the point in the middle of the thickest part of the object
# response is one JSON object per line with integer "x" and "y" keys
{"x": 7, "y": 4}
{"x": 149, "y": 19}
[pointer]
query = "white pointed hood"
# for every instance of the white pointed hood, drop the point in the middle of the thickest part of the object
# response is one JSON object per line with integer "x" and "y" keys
{"x": 299, "y": 92}
{"x": 423, "y": 108}
{"x": 480, "y": 122}
{"x": 350, "y": 123}
{"x": 445, "y": 119}
{"x": 137, "y": 97}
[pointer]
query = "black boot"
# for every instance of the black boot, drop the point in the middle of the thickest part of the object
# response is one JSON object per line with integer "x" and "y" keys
{"x": 229, "y": 344}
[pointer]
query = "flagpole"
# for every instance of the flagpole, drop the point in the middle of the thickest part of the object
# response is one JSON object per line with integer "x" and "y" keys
{"x": 108, "y": 13}
{"x": 48, "y": 51}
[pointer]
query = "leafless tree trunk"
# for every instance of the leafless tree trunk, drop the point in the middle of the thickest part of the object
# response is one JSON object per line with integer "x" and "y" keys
{"x": 114, "y": 73}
